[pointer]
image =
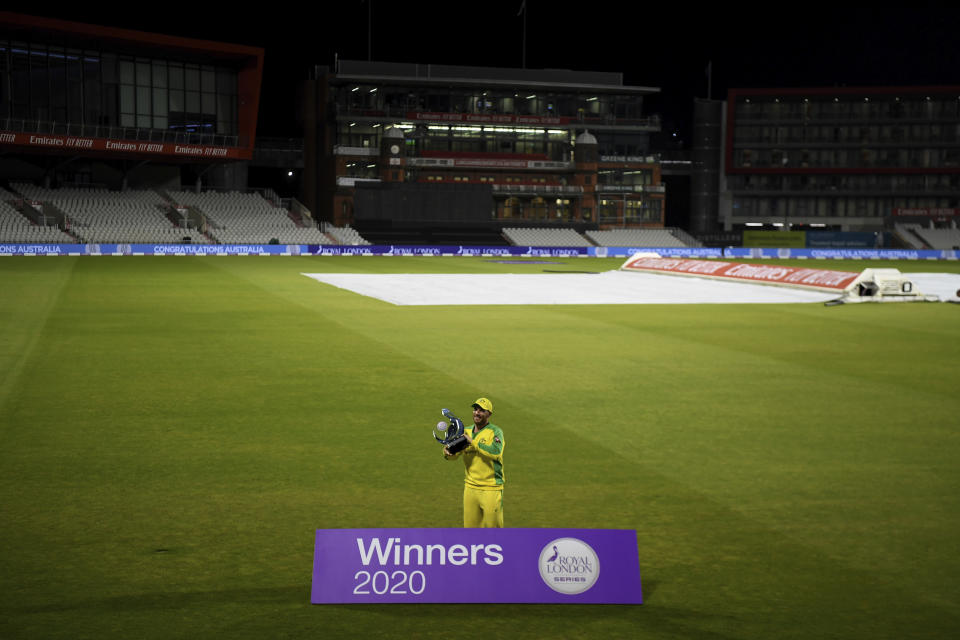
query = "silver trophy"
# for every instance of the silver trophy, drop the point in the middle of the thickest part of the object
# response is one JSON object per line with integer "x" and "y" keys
{"x": 451, "y": 434}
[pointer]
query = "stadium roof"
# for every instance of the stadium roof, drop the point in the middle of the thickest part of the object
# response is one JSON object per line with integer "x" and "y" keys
{"x": 128, "y": 40}
{"x": 445, "y": 74}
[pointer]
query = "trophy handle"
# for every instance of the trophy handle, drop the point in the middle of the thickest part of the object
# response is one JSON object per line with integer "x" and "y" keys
{"x": 455, "y": 437}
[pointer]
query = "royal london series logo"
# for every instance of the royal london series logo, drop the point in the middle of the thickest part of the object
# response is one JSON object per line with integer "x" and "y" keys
{"x": 569, "y": 566}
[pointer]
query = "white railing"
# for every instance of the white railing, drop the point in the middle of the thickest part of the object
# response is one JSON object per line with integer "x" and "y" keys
{"x": 343, "y": 150}
{"x": 479, "y": 162}
{"x": 116, "y": 132}
{"x": 300, "y": 209}
{"x": 644, "y": 159}
{"x": 538, "y": 189}
{"x": 348, "y": 181}
{"x": 631, "y": 188}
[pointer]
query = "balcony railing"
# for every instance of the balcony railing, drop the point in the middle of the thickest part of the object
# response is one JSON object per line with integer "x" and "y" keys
{"x": 546, "y": 189}
{"x": 648, "y": 159}
{"x": 631, "y": 188}
{"x": 350, "y": 181}
{"x": 343, "y": 150}
{"x": 843, "y": 118}
{"x": 17, "y": 125}
{"x": 401, "y": 112}
{"x": 481, "y": 162}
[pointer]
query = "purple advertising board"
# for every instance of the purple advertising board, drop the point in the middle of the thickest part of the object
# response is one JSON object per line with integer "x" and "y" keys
{"x": 576, "y": 566}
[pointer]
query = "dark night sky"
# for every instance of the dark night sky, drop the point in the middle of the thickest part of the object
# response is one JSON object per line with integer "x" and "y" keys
{"x": 652, "y": 46}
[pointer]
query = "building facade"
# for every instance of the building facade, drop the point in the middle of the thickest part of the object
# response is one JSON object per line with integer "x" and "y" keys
{"x": 518, "y": 145}
{"x": 842, "y": 158}
{"x": 72, "y": 93}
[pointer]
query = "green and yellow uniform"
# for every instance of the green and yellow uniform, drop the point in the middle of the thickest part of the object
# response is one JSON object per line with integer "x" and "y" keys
{"x": 483, "y": 481}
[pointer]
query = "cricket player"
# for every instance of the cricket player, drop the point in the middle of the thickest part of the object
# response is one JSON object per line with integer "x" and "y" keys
{"x": 483, "y": 463}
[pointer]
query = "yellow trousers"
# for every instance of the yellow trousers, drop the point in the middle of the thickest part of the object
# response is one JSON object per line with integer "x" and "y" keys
{"x": 482, "y": 508}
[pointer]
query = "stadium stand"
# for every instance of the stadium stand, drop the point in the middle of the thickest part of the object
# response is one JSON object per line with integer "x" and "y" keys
{"x": 96, "y": 215}
{"x": 640, "y": 238}
{"x": 344, "y": 235}
{"x": 907, "y": 233}
{"x": 520, "y": 236}
{"x": 100, "y": 215}
{"x": 15, "y": 227}
{"x": 242, "y": 218}
{"x": 685, "y": 237}
{"x": 939, "y": 238}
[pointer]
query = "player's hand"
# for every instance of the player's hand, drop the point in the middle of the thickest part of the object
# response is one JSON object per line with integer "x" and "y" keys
{"x": 469, "y": 438}
{"x": 446, "y": 452}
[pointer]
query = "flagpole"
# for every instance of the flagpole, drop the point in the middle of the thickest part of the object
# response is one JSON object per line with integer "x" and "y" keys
{"x": 709, "y": 79}
{"x": 523, "y": 10}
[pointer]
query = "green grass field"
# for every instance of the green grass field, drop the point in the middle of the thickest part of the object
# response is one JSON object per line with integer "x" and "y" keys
{"x": 174, "y": 430}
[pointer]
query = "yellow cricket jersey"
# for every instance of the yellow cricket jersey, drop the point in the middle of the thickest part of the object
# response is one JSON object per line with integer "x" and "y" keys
{"x": 483, "y": 460}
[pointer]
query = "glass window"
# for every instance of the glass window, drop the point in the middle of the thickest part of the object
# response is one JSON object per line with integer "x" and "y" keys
{"x": 109, "y": 105}
{"x": 143, "y": 100}
{"x": 208, "y": 79}
{"x": 53, "y": 83}
{"x": 91, "y": 87}
{"x": 108, "y": 67}
{"x": 176, "y": 76}
{"x": 39, "y": 96}
{"x": 191, "y": 75}
{"x": 74, "y": 62}
{"x": 143, "y": 73}
{"x": 226, "y": 82}
{"x": 159, "y": 74}
{"x": 438, "y": 102}
{"x": 226, "y": 113}
{"x": 177, "y": 100}
{"x": 160, "y": 102}
{"x": 127, "y": 104}
{"x": 58, "y": 80}
{"x": 126, "y": 68}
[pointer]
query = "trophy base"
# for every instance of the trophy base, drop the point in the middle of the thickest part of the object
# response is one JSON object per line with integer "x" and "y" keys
{"x": 458, "y": 444}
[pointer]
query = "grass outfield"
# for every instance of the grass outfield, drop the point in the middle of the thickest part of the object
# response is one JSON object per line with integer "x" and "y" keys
{"x": 174, "y": 429}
